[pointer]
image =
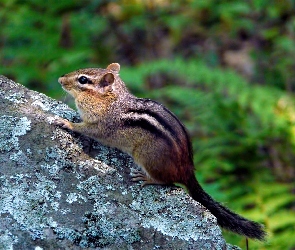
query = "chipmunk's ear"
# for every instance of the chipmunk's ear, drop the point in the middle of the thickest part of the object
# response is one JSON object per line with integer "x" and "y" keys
{"x": 107, "y": 80}
{"x": 114, "y": 67}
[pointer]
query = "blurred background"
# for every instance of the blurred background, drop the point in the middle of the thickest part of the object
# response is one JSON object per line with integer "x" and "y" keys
{"x": 225, "y": 68}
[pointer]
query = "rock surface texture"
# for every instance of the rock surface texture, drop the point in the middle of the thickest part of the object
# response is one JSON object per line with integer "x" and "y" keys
{"x": 60, "y": 190}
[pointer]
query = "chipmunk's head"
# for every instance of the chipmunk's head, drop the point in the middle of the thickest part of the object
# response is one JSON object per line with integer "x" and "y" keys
{"x": 93, "y": 81}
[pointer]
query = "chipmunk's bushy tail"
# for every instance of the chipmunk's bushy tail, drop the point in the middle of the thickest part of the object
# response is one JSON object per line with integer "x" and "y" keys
{"x": 225, "y": 218}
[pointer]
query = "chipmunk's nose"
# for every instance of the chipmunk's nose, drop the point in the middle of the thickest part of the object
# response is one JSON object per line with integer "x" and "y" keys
{"x": 60, "y": 79}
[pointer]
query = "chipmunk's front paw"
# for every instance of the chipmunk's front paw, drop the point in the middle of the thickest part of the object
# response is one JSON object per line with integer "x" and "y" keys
{"x": 63, "y": 123}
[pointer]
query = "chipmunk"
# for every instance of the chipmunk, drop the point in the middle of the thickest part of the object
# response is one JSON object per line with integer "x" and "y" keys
{"x": 146, "y": 130}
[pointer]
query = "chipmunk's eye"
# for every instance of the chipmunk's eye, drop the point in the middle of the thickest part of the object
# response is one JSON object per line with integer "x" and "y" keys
{"x": 83, "y": 80}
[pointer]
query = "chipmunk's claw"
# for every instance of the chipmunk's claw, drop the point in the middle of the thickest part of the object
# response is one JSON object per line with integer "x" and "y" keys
{"x": 141, "y": 176}
{"x": 63, "y": 123}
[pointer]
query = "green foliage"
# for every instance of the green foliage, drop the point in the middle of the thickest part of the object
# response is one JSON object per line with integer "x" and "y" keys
{"x": 242, "y": 130}
{"x": 35, "y": 52}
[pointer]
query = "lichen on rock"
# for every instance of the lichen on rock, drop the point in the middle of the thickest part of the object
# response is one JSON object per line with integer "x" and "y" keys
{"x": 61, "y": 190}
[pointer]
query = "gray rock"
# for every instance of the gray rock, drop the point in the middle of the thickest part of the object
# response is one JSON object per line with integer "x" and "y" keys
{"x": 61, "y": 190}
